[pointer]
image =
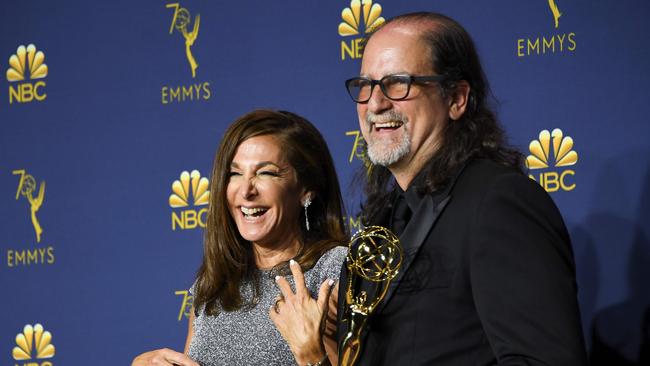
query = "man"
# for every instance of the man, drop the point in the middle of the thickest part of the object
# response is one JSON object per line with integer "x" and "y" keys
{"x": 488, "y": 274}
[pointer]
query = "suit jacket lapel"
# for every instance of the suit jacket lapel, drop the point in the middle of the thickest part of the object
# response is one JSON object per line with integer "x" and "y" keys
{"x": 414, "y": 235}
{"x": 417, "y": 230}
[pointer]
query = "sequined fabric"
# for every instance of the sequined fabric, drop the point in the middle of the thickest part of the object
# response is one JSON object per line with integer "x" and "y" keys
{"x": 248, "y": 336}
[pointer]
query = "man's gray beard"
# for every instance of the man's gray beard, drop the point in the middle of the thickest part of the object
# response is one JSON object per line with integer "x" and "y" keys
{"x": 378, "y": 152}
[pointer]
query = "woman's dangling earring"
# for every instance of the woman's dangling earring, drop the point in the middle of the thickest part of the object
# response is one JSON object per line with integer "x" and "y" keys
{"x": 306, "y": 204}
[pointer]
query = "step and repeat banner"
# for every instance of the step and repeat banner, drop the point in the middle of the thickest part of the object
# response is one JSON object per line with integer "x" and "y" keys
{"x": 110, "y": 114}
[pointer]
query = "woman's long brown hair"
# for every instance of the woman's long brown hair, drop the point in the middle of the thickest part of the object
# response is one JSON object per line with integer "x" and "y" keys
{"x": 228, "y": 259}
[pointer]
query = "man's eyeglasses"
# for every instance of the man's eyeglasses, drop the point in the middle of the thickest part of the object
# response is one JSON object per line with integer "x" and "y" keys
{"x": 394, "y": 87}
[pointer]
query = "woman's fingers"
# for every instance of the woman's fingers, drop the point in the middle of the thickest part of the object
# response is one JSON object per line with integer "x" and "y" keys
{"x": 180, "y": 359}
{"x": 299, "y": 280}
{"x": 324, "y": 294}
{"x": 176, "y": 358}
{"x": 330, "y": 323}
{"x": 164, "y": 357}
{"x": 296, "y": 271}
{"x": 284, "y": 287}
{"x": 334, "y": 297}
{"x": 302, "y": 293}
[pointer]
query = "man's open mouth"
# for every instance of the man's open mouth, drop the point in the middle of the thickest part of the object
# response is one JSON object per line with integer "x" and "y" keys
{"x": 391, "y": 125}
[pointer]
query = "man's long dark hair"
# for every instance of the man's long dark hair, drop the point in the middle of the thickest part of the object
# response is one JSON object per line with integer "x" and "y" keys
{"x": 476, "y": 134}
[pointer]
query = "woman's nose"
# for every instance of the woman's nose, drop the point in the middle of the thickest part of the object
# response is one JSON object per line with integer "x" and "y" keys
{"x": 248, "y": 188}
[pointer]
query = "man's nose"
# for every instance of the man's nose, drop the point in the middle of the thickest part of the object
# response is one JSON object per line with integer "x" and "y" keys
{"x": 378, "y": 102}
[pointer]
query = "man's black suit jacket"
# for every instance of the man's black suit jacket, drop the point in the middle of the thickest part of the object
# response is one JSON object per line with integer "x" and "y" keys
{"x": 488, "y": 279}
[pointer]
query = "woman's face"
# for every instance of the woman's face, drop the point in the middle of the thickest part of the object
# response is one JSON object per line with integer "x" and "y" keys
{"x": 263, "y": 193}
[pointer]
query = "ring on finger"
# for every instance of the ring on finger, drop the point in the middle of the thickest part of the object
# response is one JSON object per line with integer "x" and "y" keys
{"x": 276, "y": 304}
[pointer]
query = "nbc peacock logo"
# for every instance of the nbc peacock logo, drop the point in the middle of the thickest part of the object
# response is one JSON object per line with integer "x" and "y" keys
{"x": 189, "y": 183}
{"x": 27, "y": 64}
{"x": 34, "y": 343}
{"x": 359, "y": 10}
{"x": 550, "y": 155}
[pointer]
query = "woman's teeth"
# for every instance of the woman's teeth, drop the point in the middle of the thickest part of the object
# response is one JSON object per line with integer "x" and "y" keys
{"x": 257, "y": 211}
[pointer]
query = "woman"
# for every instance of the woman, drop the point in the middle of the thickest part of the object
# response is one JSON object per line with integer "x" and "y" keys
{"x": 274, "y": 198}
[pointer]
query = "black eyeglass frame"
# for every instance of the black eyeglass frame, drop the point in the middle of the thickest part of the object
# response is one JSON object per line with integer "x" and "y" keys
{"x": 411, "y": 79}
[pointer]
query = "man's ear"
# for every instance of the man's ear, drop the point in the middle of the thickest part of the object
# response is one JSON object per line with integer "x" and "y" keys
{"x": 459, "y": 100}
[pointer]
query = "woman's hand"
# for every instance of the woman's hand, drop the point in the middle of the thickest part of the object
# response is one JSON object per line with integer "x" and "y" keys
{"x": 164, "y": 357}
{"x": 329, "y": 335}
{"x": 300, "y": 318}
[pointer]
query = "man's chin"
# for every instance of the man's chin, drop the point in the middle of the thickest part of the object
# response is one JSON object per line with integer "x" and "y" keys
{"x": 385, "y": 159}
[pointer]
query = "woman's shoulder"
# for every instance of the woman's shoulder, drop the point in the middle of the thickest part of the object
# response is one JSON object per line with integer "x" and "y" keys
{"x": 335, "y": 256}
{"x": 331, "y": 261}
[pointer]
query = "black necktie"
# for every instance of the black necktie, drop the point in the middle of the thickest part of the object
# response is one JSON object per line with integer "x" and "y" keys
{"x": 401, "y": 215}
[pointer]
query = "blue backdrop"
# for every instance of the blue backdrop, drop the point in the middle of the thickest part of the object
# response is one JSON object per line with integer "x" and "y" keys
{"x": 104, "y": 105}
